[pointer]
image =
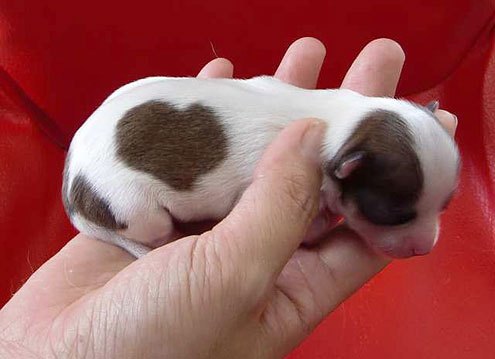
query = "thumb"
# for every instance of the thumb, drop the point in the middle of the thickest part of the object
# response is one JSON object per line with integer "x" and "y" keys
{"x": 274, "y": 213}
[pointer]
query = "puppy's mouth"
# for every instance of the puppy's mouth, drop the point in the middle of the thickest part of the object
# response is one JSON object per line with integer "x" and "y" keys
{"x": 402, "y": 253}
{"x": 402, "y": 248}
{"x": 397, "y": 242}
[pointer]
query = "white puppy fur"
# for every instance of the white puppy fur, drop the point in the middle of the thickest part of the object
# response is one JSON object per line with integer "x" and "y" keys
{"x": 252, "y": 112}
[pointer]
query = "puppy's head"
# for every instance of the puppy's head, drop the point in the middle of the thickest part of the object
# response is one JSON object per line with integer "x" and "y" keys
{"x": 396, "y": 173}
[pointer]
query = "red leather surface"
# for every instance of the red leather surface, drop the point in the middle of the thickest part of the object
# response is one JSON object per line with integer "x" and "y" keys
{"x": 32, "y": 219}
{"x": 67, "y": 56}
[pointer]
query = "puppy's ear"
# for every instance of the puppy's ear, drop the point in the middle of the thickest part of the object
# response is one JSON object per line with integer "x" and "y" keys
{"x": 433, "y": 106}
{"x": 348, "y": 164}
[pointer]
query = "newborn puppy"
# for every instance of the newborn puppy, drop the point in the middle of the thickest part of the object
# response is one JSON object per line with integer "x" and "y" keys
{"x": 163, "y": 149}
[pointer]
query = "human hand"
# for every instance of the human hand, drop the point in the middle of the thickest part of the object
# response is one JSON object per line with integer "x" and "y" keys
{"x": 243, "y": 289}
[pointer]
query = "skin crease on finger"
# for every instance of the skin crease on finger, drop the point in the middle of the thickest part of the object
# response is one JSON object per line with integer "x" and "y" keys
{"x": 310, "y": 286}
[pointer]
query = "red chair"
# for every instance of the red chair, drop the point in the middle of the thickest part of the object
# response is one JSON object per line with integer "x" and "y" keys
{"x": 59, "y": 59}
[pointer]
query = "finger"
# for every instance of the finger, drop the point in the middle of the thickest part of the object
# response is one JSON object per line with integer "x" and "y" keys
{"x": 348, "y": 263}
{"x": 377, "y": 69}
{"x": 375, "y": 72}
{"x": 217, "y": 68}
{"x": 343, "y": 262}
{"x": 448, "y": 121}
{"x": 321, "y": 226}
{"x": 302, "y": 62}
{"x": 330, "y": 273}
{"x": 274, "y": 213}
{"x": 300, "y": 66}
{"x": 316, "y": 281}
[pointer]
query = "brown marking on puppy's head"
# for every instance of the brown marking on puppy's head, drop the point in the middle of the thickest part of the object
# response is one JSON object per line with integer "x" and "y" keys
{"x": 176, "y": 146}
{"x": 378, "y": 170}
{"x": 86, "y": 202}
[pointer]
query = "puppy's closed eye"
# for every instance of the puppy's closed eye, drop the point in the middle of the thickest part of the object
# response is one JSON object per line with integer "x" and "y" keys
{"x": 382, "y": 211}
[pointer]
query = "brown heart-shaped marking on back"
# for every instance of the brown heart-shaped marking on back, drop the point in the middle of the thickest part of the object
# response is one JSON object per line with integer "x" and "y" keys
{"x": 174, "y": 145}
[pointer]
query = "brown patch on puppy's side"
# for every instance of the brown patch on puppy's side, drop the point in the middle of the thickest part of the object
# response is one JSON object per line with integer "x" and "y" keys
{"x": 388, "y": 180}
{"x": 176, "y": 146}
{"x": 86, "y": 202}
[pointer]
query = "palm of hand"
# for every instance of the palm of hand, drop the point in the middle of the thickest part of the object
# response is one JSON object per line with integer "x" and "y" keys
{"x": 230, "y": 292}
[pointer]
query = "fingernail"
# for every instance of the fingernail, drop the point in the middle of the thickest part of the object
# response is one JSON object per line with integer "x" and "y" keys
{"x": 311, "y": 140}
{"x": 437, "y": 105}
{"x": 456, "y": 121}
{"x": 433, "y": 105}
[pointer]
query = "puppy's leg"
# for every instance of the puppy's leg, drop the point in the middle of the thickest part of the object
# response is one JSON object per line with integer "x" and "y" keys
{"x": 151, "y": 228}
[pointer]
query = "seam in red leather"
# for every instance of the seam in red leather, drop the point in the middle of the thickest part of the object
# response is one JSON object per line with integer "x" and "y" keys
{"x": 54, "y": 133}
{"x": 483, "y": 42}
{"x": 20, "y": 99}
{"x": 478, "y": 43}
